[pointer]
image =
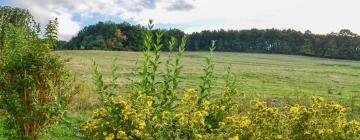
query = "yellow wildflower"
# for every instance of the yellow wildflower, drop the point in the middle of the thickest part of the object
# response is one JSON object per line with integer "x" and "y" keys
{"x": 234, "y": 138}
{"x": 245, "y": 123}
{"x": 205, "y": 105}
{"x": 146, "y": 111}
{"x": 320, "y": 131}
{"x": 158, "y": 126}
{"x": 181, "y": 119}
{"x": 198, "y": 136}
{"x": 141, "y": 125}
{"x": 111, "y": 136}
{"x": 190, "y": 90}
{"x": 222, "y": 108}
{"x": 165, "y": 115}
{"x": 121, "y": 134}
{"x": 294, "y": 109}
{"x": 222, "y": 124}
{"x": 149, "y": 100}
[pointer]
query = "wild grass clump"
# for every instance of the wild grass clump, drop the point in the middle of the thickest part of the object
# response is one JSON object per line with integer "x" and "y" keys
{"x": 157, "y": 109}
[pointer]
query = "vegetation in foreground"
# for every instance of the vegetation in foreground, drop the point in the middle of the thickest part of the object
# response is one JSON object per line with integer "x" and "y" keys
{"x": 155, "y": 109}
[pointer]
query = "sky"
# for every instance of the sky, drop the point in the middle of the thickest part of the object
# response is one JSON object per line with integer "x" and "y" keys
{"x": 318, "y": 16}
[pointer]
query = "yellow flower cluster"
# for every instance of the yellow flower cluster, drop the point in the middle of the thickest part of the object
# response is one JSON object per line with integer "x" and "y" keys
{"x": 214, "y": 119}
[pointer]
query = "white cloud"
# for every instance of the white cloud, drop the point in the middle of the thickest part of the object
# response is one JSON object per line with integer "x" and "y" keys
{"x": 180, "y": 5}
{"x": 319, "y": 16}
{"x": 64, "y": 10}
{"x": 67, "y": 27}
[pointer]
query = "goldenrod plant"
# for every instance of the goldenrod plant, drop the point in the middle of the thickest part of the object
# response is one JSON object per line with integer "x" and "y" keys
{"x": 158, "y": 109}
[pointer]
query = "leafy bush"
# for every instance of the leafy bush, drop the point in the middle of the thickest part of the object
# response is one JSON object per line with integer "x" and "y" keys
{"x": 157, "y": 110}
{"x": 34, "y": 84}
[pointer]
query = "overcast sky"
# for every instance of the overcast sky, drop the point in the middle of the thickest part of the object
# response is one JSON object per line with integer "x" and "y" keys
{"x": 319, "y": 16}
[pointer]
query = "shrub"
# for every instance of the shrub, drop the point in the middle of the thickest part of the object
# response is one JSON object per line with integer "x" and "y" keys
{"x": 34, "y": 84}
{"x": 157, "y": 110}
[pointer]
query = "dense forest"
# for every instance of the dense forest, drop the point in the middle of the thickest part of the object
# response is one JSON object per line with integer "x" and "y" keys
{"x": 124, "y": 36}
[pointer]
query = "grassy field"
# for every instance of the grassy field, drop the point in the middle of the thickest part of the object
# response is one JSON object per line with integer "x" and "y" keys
{"x": 265, "y": 75}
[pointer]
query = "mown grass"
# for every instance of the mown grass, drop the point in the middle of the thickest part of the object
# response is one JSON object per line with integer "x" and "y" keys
{"x": 262, "y": 75}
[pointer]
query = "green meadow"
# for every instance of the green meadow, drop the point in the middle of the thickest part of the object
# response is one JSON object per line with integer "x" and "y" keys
{"x": 271, "y": 75}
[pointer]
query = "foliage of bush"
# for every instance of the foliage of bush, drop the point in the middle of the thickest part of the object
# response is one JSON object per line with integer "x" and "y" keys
{"x": 157, "y": 110}
{"x": 34, "y": 84}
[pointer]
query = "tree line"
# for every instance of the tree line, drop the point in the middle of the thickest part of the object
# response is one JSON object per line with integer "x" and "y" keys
{"x": 124, "y": 36}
